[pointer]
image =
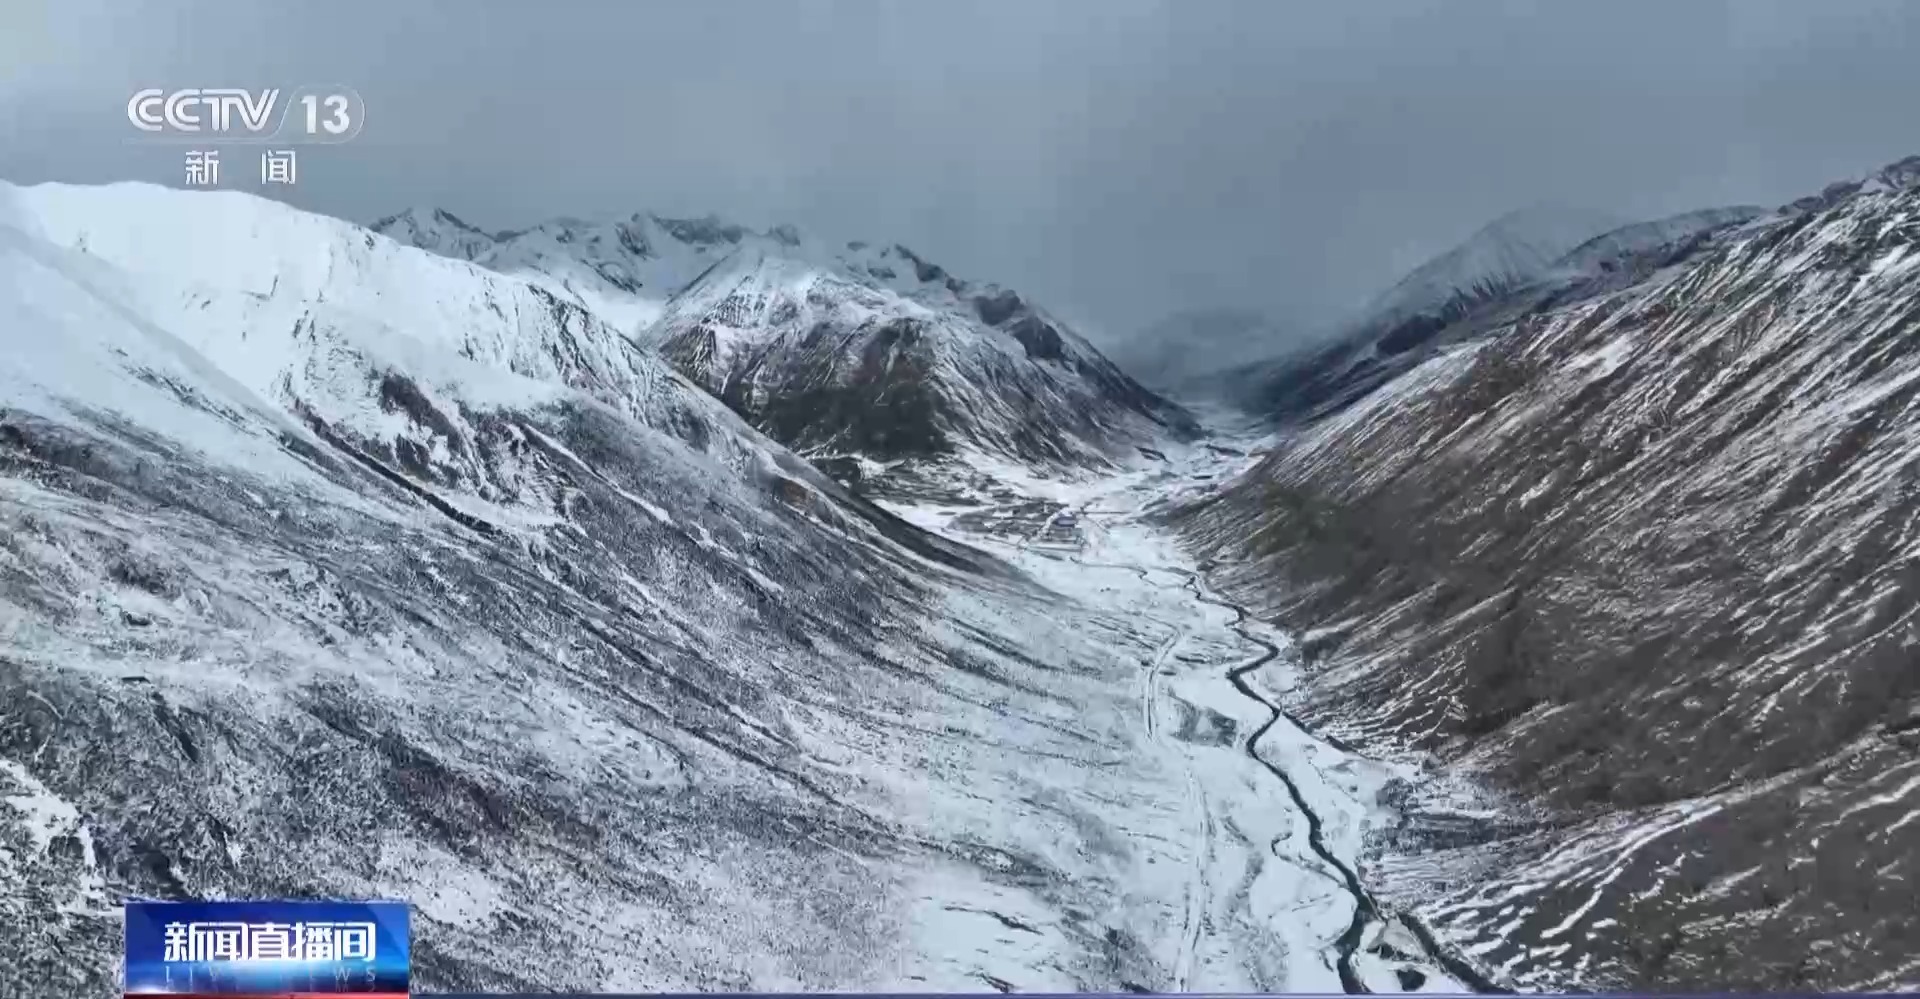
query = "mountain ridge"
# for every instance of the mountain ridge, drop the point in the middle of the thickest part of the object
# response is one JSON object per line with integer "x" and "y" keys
{"x": 1514, "y": 248}
{"x": 808, "y": 337}
{"x": 1463, "y": 292}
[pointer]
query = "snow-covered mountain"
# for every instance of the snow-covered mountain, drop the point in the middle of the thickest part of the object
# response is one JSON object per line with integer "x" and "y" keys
{"x": 1513, "y": 250}
{"x": 835, "y": 364}
{"x": 856, "y": 350}
{"x": 1509, "y": 265}
{"x": 1641, "y": 557}
{"x": 331, "y": 567}
{"x": 1243, "y": 358}
{"x": 623, "y": 270}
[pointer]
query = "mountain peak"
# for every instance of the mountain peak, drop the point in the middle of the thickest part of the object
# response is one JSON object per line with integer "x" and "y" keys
{"x": 1511, "y": 250}
{"x": 829, "y": 357}
{"x": 429, "y": 215}
{"x": 1547, "y": 222}
{"x": 437, "y": 230}
{"x": 1901, "y": 174}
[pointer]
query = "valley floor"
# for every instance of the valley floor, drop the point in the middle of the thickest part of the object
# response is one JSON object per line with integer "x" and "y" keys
{"x": 1261, "y": 869}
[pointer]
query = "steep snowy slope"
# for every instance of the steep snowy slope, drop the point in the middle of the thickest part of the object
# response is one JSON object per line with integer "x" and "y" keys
{"x": 304, "y": 311}
{"x": 623, "y": 270}
{"x": 330, "y": 567}
{"x": 1648, "y": 562}
{"x": 1514, "y": 264}
{"x": 841, "y": 351}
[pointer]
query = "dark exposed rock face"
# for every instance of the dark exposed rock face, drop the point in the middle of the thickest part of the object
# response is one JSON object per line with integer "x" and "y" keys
{"x": 1649, "y": 561}
{"x": 842, "y": 469}
{"x": 998, "y": 308}
{"x": 1041, "y": 339}
{"x": 924, "y": 269}
{"x": 709, "y": 229}
{"x": 882, "y": 408}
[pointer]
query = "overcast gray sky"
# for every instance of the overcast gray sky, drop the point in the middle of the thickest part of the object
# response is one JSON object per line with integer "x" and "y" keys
{"x": 1117, "y": 159}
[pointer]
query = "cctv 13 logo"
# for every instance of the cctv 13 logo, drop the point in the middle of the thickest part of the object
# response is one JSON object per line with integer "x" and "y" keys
{"x": 207, "y": 115}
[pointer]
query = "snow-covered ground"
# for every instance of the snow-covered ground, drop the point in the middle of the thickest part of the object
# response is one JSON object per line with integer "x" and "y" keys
{"x": 1260, "y": 867}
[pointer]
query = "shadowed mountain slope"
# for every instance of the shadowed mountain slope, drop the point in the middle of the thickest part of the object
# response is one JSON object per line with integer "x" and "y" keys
{"x": 1646, "y": 559}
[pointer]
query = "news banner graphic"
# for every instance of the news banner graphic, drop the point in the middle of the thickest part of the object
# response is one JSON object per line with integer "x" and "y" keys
{"x": 267, "y": 950}
{"x": 208, "y": 117}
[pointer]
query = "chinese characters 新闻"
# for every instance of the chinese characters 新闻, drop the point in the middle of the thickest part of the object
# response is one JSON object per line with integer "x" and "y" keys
{"x": 207, "y": 942}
